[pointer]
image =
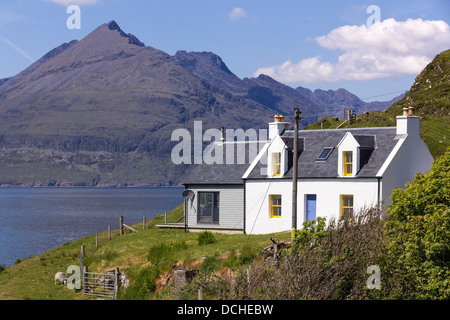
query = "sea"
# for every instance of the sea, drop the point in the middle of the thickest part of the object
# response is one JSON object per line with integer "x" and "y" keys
{"x": 35, "y": 220}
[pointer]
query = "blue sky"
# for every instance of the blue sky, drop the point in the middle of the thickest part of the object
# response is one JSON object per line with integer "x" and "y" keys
{"x": 315, "y": 44}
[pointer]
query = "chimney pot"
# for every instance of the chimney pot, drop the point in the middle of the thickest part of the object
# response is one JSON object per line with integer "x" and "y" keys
{"x": 405, "y": 111}
{"x": 279, "y": 118}
{"x": 411, "y": 111}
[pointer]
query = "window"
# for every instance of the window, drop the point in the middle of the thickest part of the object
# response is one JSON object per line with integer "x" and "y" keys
{"x": 208, "y": 207}
{"x": 348, "y": 163}
{"x": 276, "y": 164}
{"x": 325, "y": 154}
{"x": 275, "y": 206}
{"x": 346, "y": 206}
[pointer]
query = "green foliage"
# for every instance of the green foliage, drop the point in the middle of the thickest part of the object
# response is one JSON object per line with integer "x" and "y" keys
{"x": 210, "y": 264}
{"x": 145, "y": 284}
{"x": 206, "y": 237}
{"x": 311, "y": 234}
{"x": 234, "y": 261}
{"x": 163, "y": 252}
{"x": 419, "y": 232}
{"x": 326, "y": 261}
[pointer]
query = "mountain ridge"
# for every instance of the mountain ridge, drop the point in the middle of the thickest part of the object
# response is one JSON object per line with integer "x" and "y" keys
{"x": 100, "y": 111}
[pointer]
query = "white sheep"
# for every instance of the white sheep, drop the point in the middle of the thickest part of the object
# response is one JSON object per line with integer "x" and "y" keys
{"x": 61, "y": 278}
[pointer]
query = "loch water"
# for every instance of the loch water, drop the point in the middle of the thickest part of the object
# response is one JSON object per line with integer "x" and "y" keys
{"x": 35, "y": 220}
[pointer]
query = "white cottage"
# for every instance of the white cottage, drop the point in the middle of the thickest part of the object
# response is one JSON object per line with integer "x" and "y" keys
{"x": 340, "y": 172}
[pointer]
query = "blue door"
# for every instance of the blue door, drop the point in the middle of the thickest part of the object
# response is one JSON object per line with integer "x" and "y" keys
{"x": 311, "y": 207}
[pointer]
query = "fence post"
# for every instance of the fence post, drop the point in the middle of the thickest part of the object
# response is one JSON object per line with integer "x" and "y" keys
{"x": 165, "y": 217}
{"x": 121, "y": 225}
{"x": 96, "y": 240}
{"x": 109, "y": 232}
{"x": 144, "y": 222}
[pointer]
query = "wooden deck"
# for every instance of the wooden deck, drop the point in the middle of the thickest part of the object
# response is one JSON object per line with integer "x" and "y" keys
{"x": 171, "y": 225}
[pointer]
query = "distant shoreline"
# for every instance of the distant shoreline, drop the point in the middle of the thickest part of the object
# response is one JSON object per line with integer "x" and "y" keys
{"x": 96, "y": 186}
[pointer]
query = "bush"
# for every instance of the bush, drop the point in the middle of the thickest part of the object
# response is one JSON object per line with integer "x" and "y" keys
{"x": 418, "y": 231}
{"x": 206, "y": 237}
{"x": 325, "y": 262}
{"x": 143, "y": 286}
{"x": 210, "y": 264}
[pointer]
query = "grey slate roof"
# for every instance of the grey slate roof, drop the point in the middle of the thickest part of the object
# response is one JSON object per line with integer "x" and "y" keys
{"x": 376, "y": 145}
{"x": 220, "y": 174}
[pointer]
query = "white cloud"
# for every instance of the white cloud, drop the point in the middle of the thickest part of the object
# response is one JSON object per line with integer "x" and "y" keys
{"x": 75, "y": 2}
{"x": 237, "y": 13}
{"x": 386, "y": 49}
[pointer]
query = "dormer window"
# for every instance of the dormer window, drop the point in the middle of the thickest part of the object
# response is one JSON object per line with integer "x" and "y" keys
{"x": 276, "y": 161}
{"x": 348, "y": 163}
{"x": 349, "y": 156}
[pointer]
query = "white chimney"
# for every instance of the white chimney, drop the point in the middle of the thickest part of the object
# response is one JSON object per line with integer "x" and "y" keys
{"x": 278, "y": 126}
{"x": 408, "y": 123}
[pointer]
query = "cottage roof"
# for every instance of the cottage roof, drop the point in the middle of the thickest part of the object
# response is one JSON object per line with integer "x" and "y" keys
{"x": 375, "y": 145}
{"x": 227, "y": 172}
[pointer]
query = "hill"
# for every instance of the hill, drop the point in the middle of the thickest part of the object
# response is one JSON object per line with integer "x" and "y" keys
{"x": 100, "y": 111}
{"x": 429, "y": 95}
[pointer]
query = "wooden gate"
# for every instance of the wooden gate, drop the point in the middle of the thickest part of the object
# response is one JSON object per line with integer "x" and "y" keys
{"x": 101, "y": 284}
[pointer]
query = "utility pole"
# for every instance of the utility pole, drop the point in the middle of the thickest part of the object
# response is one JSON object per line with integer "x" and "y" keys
{"x": 294, "y": 175}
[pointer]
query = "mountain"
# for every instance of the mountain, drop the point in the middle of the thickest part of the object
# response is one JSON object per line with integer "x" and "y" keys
{"x": 430, "y": 97}
{"x": 263, "y": 90}
{"x": 100, "y": 111}
{"x": 314, "y": 105}
{"x": 334, "y": 102}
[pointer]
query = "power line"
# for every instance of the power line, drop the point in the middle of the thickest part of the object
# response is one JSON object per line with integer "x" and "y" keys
{"x": 385, "y": 94}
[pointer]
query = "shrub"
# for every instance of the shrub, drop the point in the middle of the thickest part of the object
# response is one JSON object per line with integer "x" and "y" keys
{"x": 143, "y": 286}
{"x": 325, "y": 262}
{"x": 418, "y": 231}
{"x": 206, "y": 237}
{"x": 210, "y": 264}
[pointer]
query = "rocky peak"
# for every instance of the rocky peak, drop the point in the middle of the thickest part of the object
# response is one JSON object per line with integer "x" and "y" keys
{"x": 132, "y": 39}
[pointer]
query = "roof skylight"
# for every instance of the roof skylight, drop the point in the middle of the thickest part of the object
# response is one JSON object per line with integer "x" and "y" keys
{"x": 325, "y": 153}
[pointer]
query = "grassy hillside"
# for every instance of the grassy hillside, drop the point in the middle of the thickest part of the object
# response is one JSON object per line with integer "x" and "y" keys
{"x": 429, "y": 95}
{"x": 33, "y": 278}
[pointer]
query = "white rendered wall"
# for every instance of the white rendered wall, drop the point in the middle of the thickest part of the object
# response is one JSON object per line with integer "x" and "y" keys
{"x": 328, "y": 205}
{"x": 410, "y": 157}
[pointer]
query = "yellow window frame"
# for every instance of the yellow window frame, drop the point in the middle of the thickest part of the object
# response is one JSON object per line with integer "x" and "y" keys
{"x": 348, "y": 163}
{"x": 276, "y": 160}
{"x": 275, "y": 206}
{"x": 346, "y": 204}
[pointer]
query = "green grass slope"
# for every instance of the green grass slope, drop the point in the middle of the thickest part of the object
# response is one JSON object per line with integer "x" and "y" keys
{"x": 33, "y": 278}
